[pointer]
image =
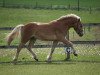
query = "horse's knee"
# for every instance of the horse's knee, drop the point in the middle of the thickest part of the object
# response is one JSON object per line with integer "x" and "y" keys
{"x": 20, "y": 47}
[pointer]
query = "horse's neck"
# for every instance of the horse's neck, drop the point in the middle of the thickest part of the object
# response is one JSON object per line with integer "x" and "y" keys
{"x": 68, "y": 24}
{"x": 64, "y": 25}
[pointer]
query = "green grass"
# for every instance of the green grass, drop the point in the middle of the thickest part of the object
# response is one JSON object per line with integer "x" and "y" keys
{"x": 86, "y": 53}
{"x": 86, "y": 63}
{"x": 51, "y": 69}
{"x": 22, "y": 16}
{"x": 83, "y": 3}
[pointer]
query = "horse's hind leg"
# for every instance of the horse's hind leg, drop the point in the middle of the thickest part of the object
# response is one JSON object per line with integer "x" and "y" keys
{"x": 17, "y": 53}
{"x": 49, "y": 57}
{"x": 31, "y": 42}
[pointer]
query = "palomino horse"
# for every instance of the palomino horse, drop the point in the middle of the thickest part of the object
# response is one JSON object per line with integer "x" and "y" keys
{"x": 55, "y": 31}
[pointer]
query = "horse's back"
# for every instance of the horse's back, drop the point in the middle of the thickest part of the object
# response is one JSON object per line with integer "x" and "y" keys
{"x": 42, "y": 31}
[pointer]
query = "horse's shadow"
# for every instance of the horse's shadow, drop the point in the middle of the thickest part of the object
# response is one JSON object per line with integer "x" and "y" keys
{"x": 54, "y": 62}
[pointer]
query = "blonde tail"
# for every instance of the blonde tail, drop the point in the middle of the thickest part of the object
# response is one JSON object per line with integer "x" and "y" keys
{"x": 14, "y": 33}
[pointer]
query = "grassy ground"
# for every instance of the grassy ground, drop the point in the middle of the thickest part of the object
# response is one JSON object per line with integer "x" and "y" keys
{"x": 87, "y": 63}
{"x": 86, "y": 53}
{"x": 20, "y": 16}
{"x": 69, "y": 68}
{"x": 83, "y": 3}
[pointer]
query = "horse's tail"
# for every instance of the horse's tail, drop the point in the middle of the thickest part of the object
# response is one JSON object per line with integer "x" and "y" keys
{"x": 14, "y": 33}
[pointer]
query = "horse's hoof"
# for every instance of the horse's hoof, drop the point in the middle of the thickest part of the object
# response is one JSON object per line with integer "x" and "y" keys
{"x": 76, "y": 55}
{"x": 14, "y": 62}
{"x": 67, "y": 59}
{"x": 48, "y": 61}
{"x": 36, "y": 59}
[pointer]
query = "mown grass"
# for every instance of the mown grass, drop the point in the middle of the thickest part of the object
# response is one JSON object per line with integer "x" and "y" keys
{"x": 12, "y": 17}
{"x": 81, "y": 68}
{"x": 48, "y": 69}
{"x": 86, "y": 53}
{"x": 83, "y": 3}
{"x": 85, "y": 64}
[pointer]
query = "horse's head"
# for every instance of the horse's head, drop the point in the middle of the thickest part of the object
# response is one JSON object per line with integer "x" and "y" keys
{"x": 78, "y": 27}
{"x": 73, "y": 21}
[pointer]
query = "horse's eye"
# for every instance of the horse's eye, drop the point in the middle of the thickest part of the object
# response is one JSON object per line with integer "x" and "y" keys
{"x": 81, "y": 26}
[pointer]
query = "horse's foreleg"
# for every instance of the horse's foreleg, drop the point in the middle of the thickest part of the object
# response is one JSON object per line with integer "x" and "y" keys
{"x": 49, "y": 57}
{"x": 74, "y": 51}
{"x": 69, "y": 44}
{"x": 17, "y": 53}
{"x": 31, "y": 42}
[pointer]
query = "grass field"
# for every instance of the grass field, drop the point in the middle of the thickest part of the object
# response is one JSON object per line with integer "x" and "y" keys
{"x": 54, "y": 69}
{"x": 19, "y": 16}
{"x": 68, "y": 68}
{"x": 87, "y": 63}
{"x": 83, "y": 3}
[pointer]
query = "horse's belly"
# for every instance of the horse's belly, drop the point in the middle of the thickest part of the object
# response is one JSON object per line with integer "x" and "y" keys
{"x": 46, "y": 37}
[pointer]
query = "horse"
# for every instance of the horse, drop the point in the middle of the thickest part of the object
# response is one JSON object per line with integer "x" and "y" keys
{"x": 55, "y": 31}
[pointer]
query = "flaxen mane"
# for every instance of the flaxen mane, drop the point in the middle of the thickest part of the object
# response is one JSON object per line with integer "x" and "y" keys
{"x": 68, "y": 16}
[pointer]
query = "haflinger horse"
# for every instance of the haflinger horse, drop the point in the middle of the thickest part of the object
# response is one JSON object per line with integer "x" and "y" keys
{"x": 55, "y": 31}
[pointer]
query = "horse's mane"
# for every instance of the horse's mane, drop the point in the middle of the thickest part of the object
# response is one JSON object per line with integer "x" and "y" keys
{"x": 68, "y": 16}
{"x": 59, "y": 19}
